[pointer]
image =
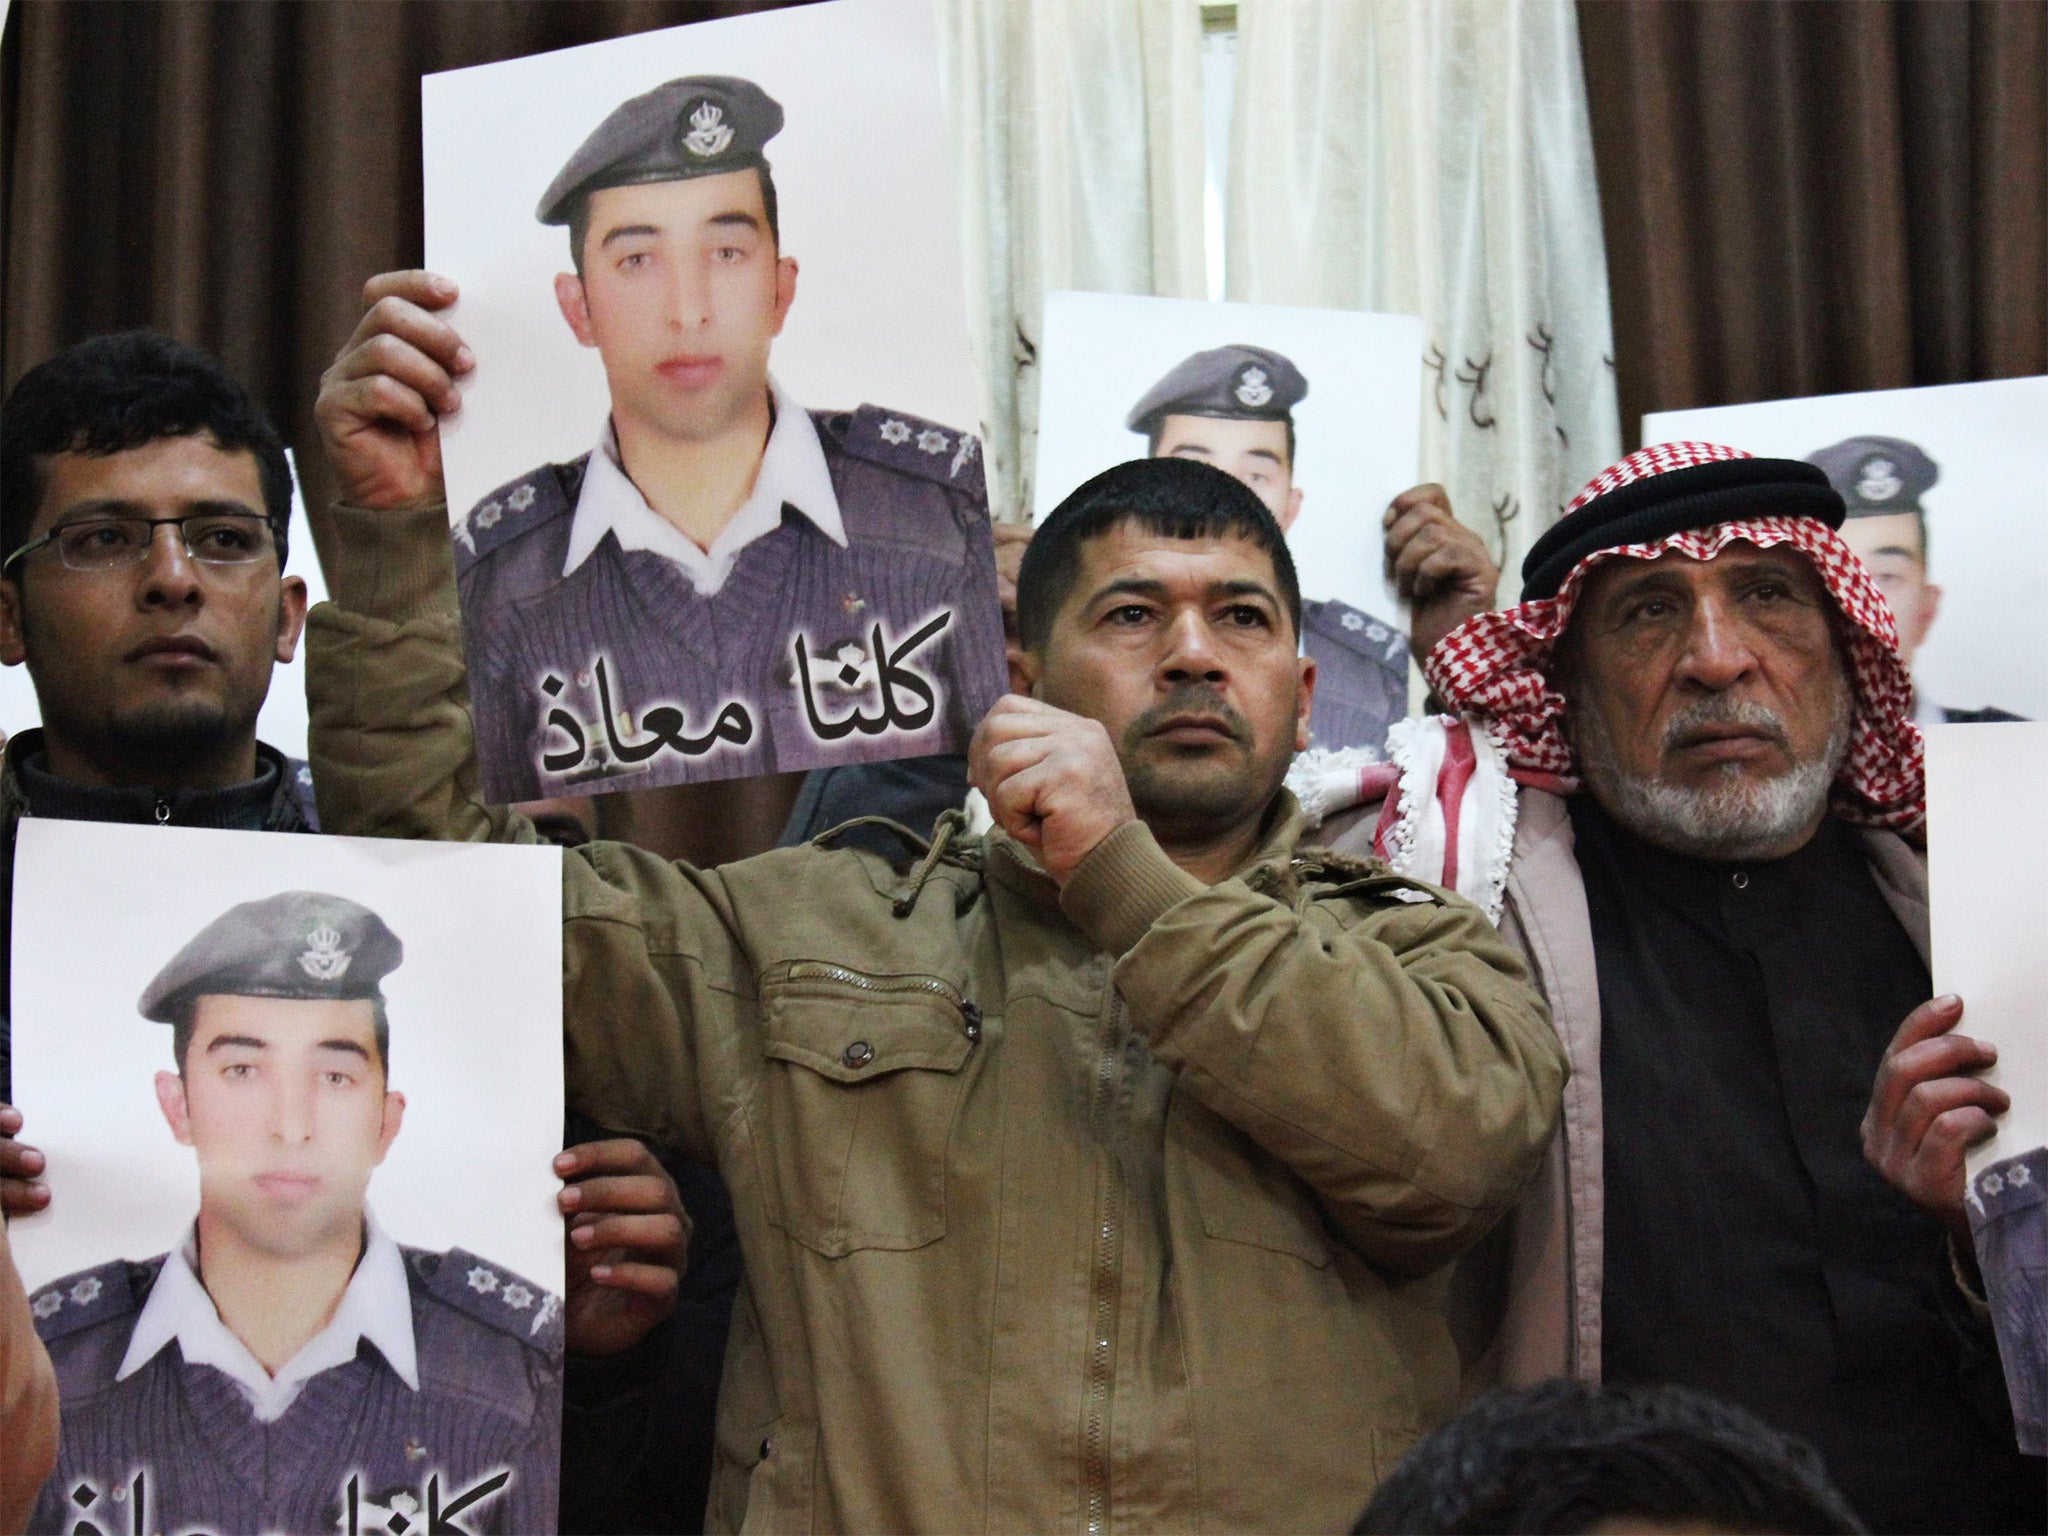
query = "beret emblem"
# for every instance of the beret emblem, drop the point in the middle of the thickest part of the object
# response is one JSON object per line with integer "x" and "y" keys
{"x": 324, "y": 959}
{"x": 1252, "y": 389}
{"x": 708, "y": 133}
{"x": 1880, "y": 480}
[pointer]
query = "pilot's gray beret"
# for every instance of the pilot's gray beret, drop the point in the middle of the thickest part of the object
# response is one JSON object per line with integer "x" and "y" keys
{"x": 701, "y": 125}
{"x": 1238, "y": 382}
{"x": 1877, "y": 476}
{"x": 297, "y": 944}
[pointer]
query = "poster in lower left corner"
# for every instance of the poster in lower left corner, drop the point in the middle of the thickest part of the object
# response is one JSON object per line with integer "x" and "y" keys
{"x": 299, "y": 1098}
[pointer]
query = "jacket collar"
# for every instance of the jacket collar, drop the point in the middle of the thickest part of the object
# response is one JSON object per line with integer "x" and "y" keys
{"x": 269, "y": 802}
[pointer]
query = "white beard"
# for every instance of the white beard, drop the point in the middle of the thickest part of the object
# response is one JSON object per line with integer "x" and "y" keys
{"x": 1737, "y": 818}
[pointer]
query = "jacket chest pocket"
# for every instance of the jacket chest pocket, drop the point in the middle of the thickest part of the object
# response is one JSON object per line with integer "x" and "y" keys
{"x": 863, "y": 1084}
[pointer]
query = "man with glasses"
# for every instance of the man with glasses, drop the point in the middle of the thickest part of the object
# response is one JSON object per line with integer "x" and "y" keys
{"x": 144, "y": 507}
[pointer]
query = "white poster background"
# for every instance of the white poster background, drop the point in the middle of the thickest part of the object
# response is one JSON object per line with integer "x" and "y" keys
{"x": 1987, "y": 869}
{"x": 476, "y": 1032}
{"x": 1987, "y": 516}
{"x": 282, "y": 721}
{"x": 866, "y": 205}
{"x": 1357, "y": 432}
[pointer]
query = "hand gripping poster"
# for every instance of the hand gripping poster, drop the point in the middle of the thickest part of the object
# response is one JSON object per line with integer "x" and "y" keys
{"x": 716, "y": 500}
{"x": 301, "y": 1268}
{"x": 1947, "y": 496}
{"x": 1318, "y": 412}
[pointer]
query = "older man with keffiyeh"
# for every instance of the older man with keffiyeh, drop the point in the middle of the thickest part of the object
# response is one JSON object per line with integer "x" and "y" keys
{"x": 1683, "y": 776}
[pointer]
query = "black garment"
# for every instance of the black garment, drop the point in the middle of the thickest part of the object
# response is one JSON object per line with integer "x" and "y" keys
{"x": 1749, "y": 1249}
{"x": 914, "y": 791}
{"x": 638, "y": 1429}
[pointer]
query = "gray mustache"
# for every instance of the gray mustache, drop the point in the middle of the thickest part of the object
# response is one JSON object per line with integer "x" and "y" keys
{"x": 1696, "y": 717}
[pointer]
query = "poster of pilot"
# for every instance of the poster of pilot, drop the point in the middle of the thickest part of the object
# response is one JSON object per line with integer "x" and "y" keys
{"x": 1318, "y": 412}
{"x": 715, "y": 490}
{"x": 1987, "y": 825}
{"x": 1947, "y": 496}
{"x": 302, "y": 1264}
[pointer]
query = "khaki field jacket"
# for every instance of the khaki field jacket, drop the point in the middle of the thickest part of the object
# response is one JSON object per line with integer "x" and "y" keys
{"x": 1128, "y": 1206}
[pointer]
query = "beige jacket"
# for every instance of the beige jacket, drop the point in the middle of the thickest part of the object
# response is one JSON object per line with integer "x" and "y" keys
{"x": 1528, "y": 1299}
{"x": 28, "y": 1402}
{"x": 1123, "y": 1207}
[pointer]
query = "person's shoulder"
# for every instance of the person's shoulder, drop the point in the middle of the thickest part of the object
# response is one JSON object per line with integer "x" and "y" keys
{"x": 2013, "y": 1184}
{"x": 515, "y": 510}
{"x": 85, "y": 1320}
{"x": 900, "y": 478}
{"x": 1354, "y": 630}
{"x": 1977, "y": 716}
{"x": 1349, "y": 879}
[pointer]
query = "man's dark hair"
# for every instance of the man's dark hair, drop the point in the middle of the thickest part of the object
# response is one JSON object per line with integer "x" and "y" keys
{"x": 579, "y": 218}
{"x": 1563, "y": 1456}
{"x": 1159, "y": 430}
{"x": 113, "y": 393}
{"x": 181, "y": 1036}
{"x": 1174, "y": 498}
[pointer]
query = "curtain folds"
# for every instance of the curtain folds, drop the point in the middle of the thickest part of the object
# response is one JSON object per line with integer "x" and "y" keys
{"x": 1806, "y": 199}
{"x": 1433, "y": 157}
{"x": 1078, "y": 148}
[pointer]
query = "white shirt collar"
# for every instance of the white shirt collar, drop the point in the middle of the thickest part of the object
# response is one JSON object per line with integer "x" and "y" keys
{"x": 376, "y": 1306}
{"x": 792, "y": 471}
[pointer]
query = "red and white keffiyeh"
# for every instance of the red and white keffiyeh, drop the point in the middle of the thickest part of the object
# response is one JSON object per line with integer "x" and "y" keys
{"x": 1448, "y": 813}
{"x": 1497, "y": 664}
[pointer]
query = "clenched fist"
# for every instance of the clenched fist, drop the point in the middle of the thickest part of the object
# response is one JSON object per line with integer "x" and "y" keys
{"x": 1052, "y": 780}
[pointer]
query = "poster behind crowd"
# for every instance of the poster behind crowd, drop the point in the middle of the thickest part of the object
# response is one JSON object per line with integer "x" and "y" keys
{"x": 1317, "y": 411}
{"x": 715, "y": 489}
{"x": 302, "y": 1266}
{"x": 1987, "y": 866}
{"x": 1947, "y": 490}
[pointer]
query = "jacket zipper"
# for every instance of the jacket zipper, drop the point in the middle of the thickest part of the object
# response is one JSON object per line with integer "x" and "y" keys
{"x": 820, "y": 970}
{"x": 1106, "y": 1283}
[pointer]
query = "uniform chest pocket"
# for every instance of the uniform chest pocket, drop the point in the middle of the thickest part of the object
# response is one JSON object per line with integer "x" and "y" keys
{"x": 864, "y": 1082}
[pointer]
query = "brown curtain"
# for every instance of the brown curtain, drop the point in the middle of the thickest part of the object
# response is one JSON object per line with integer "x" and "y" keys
{"x": 1815, "y": 196}
{"x": 231, "y": 171}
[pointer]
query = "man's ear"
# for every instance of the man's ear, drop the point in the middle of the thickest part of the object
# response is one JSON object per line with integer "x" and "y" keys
{"x": 170, "y": 1098}
{"x": 1293, "y": 511}
{"x": 1305, "y": 702}
{"x": 1931, "y": 612}
{"x": 575, "y": 306}
{"x": 1025, "y": 670}
{"x": 13, "y": 649}
{"x": 394, "y": 1117}
{"x": 785, "y": 290}
{"x": 291, "y": 616}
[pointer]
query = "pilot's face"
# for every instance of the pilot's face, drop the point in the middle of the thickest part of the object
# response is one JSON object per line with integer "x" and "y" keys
{"x": 285, "y": 1103}
{"x": 1891, "y": 546}
{"x": 1253, "y": 452}
{"x": 682, "y": 293}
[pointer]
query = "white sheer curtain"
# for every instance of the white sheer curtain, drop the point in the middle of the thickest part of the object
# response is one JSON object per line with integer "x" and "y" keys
{"x": 1433, "y": 157}
{"x": 1078, "y": 134}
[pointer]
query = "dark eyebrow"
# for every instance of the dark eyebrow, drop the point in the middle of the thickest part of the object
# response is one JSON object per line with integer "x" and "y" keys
{"x": 1896, "y": 549}
{"x": 1130, "y": 586}
{"x": 1266, "y": 453}
{"x": 624, "y": 231}
{"x": 349, "y": 1046}
{"x": 738, "y": 216}
{"x": 246, "y": 1042}
{"x": 1245, "y": 587}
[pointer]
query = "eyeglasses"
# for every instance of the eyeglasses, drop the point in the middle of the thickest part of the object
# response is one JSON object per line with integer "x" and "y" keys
{"x": 108, "y": 543}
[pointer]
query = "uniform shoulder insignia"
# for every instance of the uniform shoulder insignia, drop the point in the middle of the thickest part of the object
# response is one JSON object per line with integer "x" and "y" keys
{"x": 92, "y": 1296}
{"x": 1358, "y": 632}
{"x": 2011, "y": 1185}
{"x": 911, "y": 445}
{"x": 492, "y": 1295}
{"x": 516, "y": 507}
